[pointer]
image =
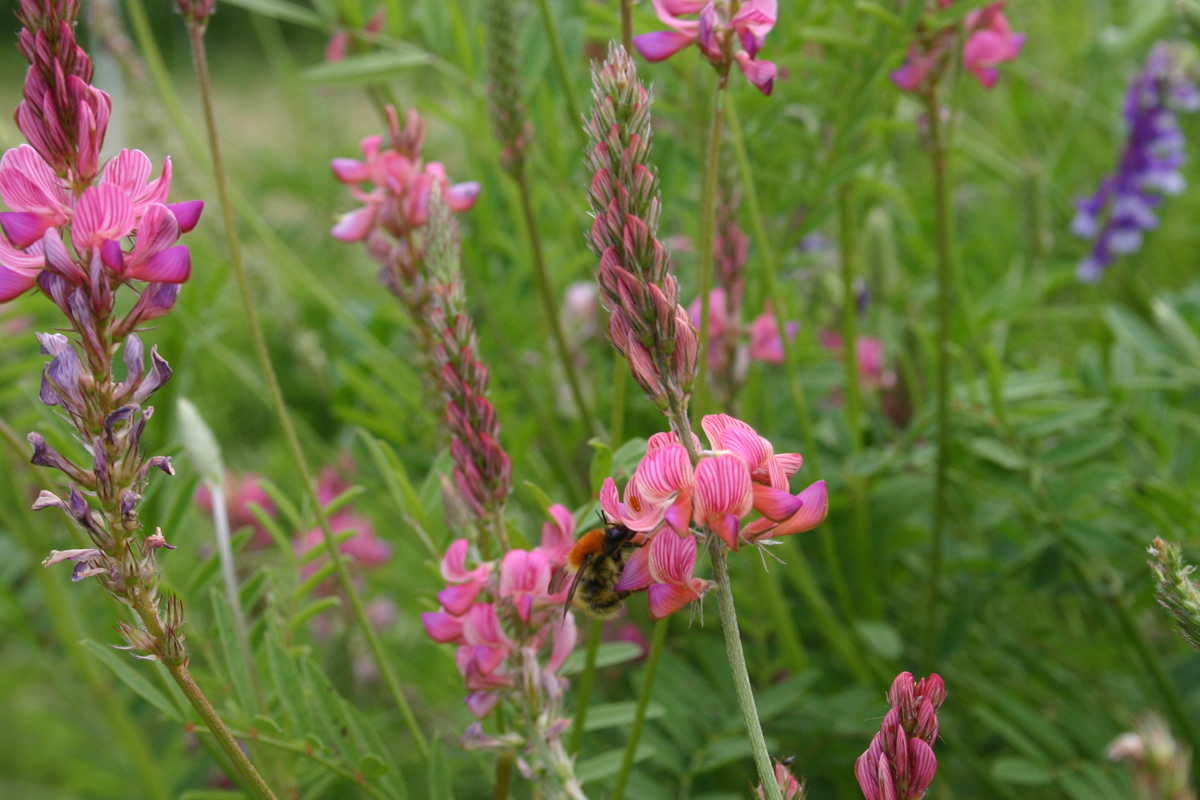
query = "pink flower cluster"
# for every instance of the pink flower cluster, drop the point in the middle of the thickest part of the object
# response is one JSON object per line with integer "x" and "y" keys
{"x": 397, "y": 200}
{"x": 899, "y": 764}
{"x": 726, "y": 31}
{"x": 241, "y": 493}
{"x": 501, "y": 616}
{"x": 363, "y": 547}
{"x": 989, "y": 42}
{"x": 789, "y": 787}
{"x": 764, "y": 341}
{"x": 868, "y": 351}
{"x": 666, "y": 496}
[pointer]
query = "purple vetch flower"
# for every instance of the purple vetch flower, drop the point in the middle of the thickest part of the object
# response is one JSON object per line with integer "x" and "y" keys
{"x": 1123, "y": 207}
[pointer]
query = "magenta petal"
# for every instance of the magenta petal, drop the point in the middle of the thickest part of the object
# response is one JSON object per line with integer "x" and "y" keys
{"x": 457, "y": 599}
{"x": 488, "y": 658}
{"x": 482, "y": 703}
{"x": 636, "y": 574}
{"x": 661, "y": 45}
{"x": 760, "y": 73}
{"x": 774, "y": 503}
{"x": 14, "y": 283}
{"x": 672, "y": 558}
{"x": 113, "y": 256}
{"x": 187, "y": 214}
{"x": 23, "y": 228}
{"x": 442, "y": 627}
{"x": 565, "y": 636}
{"x": 173, "y": 265}
{"x": 610, "y": 500}
{"x": 664, "y": 599}
{"x": 811, "y": 514}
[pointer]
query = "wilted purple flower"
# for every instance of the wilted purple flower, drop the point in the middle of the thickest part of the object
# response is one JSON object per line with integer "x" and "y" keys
{"x": 1116, "y": 216}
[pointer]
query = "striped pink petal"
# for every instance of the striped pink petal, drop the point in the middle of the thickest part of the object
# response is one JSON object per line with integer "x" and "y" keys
{"x": 104, "y": 212}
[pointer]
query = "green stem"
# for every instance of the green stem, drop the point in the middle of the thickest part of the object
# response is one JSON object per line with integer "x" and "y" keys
{"x": 627, "y": 25}
{"x": 945, "y": 275}
{"x": 708, "y": 206}
{"x": 549, "y": 303}
{"x": 639, "y": 717}
{"x": 863, "y": 561}
{"x": 297, "y": 452}
{"x": 586, "y": 681}
{"x": 790, "y": 355}
{"x": 737, "y": 665}
{"x": 560, "y": 65}
{"x": 504, "y": 765}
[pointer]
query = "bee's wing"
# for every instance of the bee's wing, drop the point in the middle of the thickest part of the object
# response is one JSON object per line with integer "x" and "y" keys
{"x": 558, "y": 580}
{"x": 578, "y": 575}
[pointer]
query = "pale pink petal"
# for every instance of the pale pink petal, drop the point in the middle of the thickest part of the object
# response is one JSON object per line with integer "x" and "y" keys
{"x": 482, "y": 628}
{"x": 723, "y": 487}
{"x": 661, "y": 45}
{"x": 663, "y": 473}
{"x": 715, "y": 424}
{"x": 672, "y": 558}
{"x": 610, "y": 500}
{"x": 461, "y": 196}
{"x": 760, "y": 73}
{"x": 349, "y": 170}
{"x": 565, "y": 636}
{"x": 27, "y": 183}
{"x": 355, "y": 225}
{"x": 104, "y": 212}
{"x": 558, "y": 536}
{"x": 14, "y": 282}
{"x": 454, "y": 563}
{"x": 487, "y": 659}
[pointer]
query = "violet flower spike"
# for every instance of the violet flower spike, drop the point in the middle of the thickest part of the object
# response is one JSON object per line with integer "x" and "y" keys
{"x": 1123, "y": 208}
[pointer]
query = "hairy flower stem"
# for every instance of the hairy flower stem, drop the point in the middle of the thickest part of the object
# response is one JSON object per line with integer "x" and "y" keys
{"x": 863, "y": 562}
{"x": 586, "y": 680}
{"x": 639, "y": 716}
{"x": 737, "y": 665}
{"x": 791, "y": 362}
{"x": 560, "y": 63}
{"x": 945, "y": 277}
{"x": 708, "y": 210}
{"x": 549, "y": 303}
{"x": 196, "y": 35}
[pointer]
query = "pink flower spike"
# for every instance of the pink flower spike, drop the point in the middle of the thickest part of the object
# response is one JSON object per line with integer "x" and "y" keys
{"x": 104, "y": 212}
{"x": 442, "y": 627}
{"x": 723, "y": 495}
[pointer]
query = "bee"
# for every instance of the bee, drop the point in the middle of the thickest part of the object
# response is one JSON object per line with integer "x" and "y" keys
{"x": 596, "y": 562}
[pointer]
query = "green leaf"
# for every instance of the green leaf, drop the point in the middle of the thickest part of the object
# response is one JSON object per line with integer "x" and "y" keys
{"x": 607, "y": 655}
{"x": 612, "y": 715}
{"x": 608, "y": 763}
{"x": 880, "y": 637}
{"x": 281, "y": 10}
{"x": 1022, "y": 771}
{"x": 286, "y": 681}
{"x": 235, "y": 659}
{"x": 211, "y": 794}
{"x": 266, "y": 725}
{"x": 372, "y": 766}
{"x": 438, "y": 776}
{"x": 602, "y": 462}
{"x": 369, "y": 67}
{"x": 313, "y": 609}
{"x": 539, "y": 496}
{"x": 1080, "y": 448}
{"x": 998, "y": 453}
{"x": 134, "y": 679}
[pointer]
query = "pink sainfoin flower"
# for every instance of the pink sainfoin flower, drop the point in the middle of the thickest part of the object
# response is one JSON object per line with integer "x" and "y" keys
{"x": 987, "y": 41}
{"x": 339, "y": 43}
{"x": 667, "y": 498}
{"x": 512, "y": 638}
{"x": 363, "y": 547}
{"x": 899, "y": 764}
{"x": 872, "y": 367}
{"x": 726, "y": 31}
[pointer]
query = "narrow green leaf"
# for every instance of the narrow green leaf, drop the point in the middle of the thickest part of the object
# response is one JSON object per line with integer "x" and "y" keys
{"x": 602, "y": 462}
{"x": 1177, "y": 331}
{"x": 608, "y": 763}
{"x": 1022, "y": 771}
{"x": 235, "y": 661}
{"x": 880, "y": 637}
{"x": 1080, "y": 448}
{"x": 285, "y": 680}
{"x": 539, "y": 496}
{"x": 613, "y": 715}
{"x": 135, "y": 680}
{"x": 372, "y": 766}
{"x": 438, "y": 777}
{"x": 313, "y": 609}
{"x": 281, "y": 10}
{"x": 368, "y": 67}
{"x": 607, "y": 655}
{"x": 266, "y": 725}
{"x": 998, "y": 453}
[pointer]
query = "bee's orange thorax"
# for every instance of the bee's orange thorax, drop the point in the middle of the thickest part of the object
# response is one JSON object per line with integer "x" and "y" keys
{"x": 589, "y": 544}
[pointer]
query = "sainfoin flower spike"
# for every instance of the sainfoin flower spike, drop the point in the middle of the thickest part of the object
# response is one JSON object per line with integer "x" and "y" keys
{"x": 726, "y": 31}
{"x": 899, "y": 764}
{"x": 512, "y": 638}
{"x": 1123, "y": 208}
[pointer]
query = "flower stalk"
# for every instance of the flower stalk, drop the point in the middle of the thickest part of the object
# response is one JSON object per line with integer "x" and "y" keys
{"x": 341, "y": 570}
